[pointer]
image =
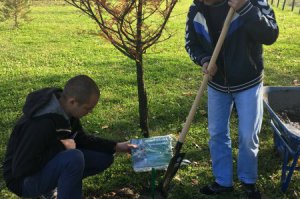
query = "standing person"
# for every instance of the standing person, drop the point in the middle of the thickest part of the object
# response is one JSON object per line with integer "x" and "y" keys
{"x": 236, "y": 80}
{"x": 48, "y": 147}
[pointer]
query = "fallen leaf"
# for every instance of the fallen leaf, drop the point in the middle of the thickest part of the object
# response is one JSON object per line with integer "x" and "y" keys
{"x": 177, "y": 178}
{"x": 105, "y": 127}
{"x": 196, "y": 145}
{"x": 195, "y": 163}
{"x": 195, "y": 182}
{"x": 187, "y": 93}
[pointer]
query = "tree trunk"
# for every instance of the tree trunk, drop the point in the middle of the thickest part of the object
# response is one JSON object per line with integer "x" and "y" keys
{"x": 142, "y": 94}
{"x": 16, "y": 8}
{"x": 143, "y": 102}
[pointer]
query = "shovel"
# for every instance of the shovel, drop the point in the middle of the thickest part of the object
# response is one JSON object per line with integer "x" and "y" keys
{"x": 178, "y": 157}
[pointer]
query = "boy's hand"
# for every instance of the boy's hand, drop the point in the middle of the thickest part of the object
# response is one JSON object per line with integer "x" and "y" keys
{"x": 236, "y": 4}
{"x": 125, "y": 147}
{"x": 69, "y": 143}
{"x": 213, "y": 69}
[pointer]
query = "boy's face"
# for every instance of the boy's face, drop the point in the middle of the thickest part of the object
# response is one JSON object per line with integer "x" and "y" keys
{"x": 211, "y": 2}
{"x": 79, "y": 110}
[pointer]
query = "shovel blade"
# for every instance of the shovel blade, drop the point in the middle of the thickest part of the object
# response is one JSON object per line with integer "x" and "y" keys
{"x": 170, "y": 173}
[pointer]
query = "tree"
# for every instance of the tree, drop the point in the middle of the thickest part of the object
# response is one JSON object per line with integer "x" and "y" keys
{"x": 132, "y": 26}
{"x": 15, "y": 10}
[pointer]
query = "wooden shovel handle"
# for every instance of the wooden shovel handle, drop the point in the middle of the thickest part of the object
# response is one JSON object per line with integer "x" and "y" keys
{"x": 206, "y": 76}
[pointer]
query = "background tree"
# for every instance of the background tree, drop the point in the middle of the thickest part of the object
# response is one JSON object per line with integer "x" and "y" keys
{"x": 14, "y": 10}
{"x": 1, "y": 7}
{"x": 132, "y": 26}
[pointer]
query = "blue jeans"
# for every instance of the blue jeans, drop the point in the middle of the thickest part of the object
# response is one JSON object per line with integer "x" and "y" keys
{"x": 66, "y": 171}
{"x": 249, "y": 106}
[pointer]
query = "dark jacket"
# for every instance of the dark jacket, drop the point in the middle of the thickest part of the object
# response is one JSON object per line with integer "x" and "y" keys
{"x": 240, "y": 65}
{"x": 36, "y": 138}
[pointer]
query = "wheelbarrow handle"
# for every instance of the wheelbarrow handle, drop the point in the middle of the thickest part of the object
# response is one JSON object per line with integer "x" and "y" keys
{"x": 203, "y": 86}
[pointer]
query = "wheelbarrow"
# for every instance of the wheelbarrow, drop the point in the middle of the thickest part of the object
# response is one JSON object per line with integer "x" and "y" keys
{"x": 279, "y": 100}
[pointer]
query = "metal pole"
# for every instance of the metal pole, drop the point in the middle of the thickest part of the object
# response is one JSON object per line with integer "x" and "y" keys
{"x": 293, "y": 4}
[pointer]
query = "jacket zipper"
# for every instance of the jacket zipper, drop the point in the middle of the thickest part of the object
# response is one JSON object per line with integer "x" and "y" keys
{"x": 225, "y": 74}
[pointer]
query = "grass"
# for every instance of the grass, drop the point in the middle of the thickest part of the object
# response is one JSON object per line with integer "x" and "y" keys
{"x": 59, "y": 42}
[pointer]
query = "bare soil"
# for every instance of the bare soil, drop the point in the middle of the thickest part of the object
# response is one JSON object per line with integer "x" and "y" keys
{"x": 126, "y": 193}
{"x": 291, "y": 118}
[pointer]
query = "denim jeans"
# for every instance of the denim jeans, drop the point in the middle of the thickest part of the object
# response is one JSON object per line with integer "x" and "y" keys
{"x": 66, "y": 171}
{"x": 249, "y": 106}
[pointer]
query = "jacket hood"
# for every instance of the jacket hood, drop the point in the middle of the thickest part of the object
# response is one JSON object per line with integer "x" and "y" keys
{"x": 37, "y": 99}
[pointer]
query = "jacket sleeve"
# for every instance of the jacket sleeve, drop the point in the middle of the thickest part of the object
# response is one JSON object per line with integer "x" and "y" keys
{"x": 192, "y": 44}
{"x": 88, "y": 141}
{"x": 37, "y": 145}
{"x": 260, "y": 21}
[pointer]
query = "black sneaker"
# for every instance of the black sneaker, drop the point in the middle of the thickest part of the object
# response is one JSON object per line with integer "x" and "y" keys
{"x": 252, "y": 191}
{"x": 215, "y": 188}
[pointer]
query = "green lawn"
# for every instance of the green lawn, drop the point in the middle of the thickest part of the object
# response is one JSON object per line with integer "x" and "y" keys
{"x": 59, "y": 42}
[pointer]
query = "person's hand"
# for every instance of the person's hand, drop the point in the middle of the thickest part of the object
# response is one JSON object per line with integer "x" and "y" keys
{"x": 69, "y": 143}
{"x": 213, "y": 69}
{"x": 125, "y": 147}
{"x": 236, "y": 4}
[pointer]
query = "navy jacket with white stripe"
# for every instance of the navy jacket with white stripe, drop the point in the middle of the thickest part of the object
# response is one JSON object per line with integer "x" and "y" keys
{"x": 252, "y": 26}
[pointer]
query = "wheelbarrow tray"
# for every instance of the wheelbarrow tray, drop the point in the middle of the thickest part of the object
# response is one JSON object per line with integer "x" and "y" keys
{"x": 279, "y": 99}
{"x": 286, "y": 136}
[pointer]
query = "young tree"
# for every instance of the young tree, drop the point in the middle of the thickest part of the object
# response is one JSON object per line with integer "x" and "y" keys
{"x": 15, "y": 10}
{"x": 132, "y": 26}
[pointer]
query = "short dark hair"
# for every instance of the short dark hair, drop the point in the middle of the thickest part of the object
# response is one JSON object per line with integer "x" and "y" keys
{"x": 81, "y": 87}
